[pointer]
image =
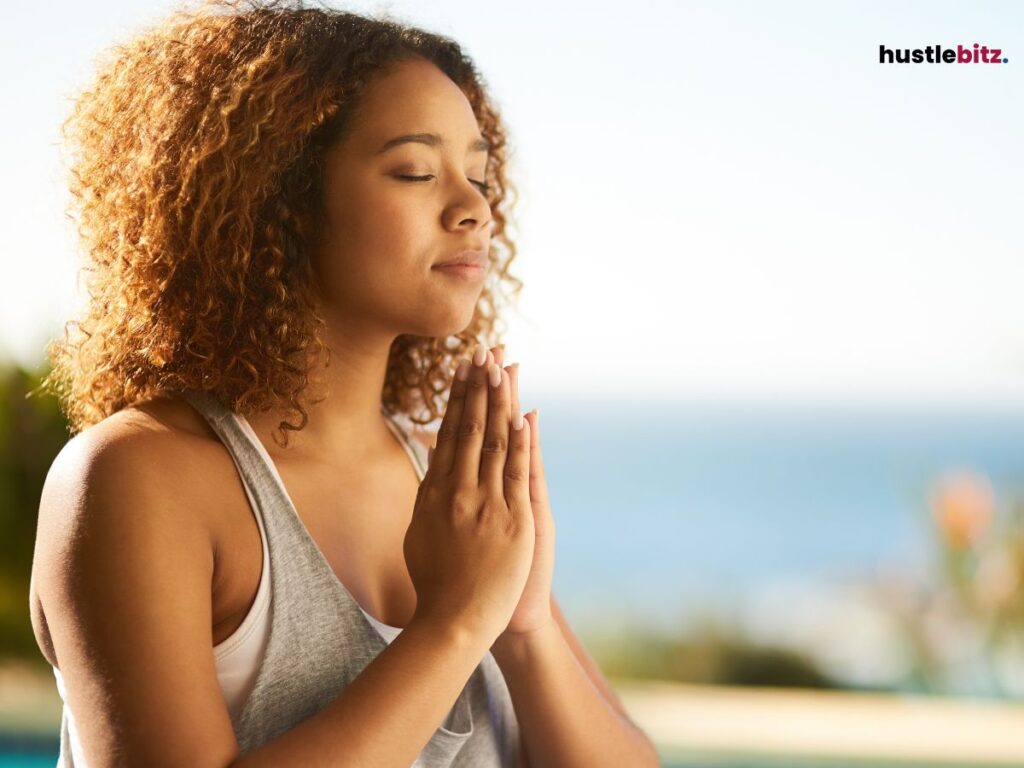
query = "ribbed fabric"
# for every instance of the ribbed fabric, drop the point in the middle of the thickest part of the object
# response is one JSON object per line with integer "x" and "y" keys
{"x": 320, "y": 638}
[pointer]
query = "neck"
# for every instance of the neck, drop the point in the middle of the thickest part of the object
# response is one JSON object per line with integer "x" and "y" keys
{"x": 348, "y": 425}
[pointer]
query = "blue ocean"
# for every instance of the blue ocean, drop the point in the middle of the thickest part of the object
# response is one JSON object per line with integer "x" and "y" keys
{"x": 665, "y": 511}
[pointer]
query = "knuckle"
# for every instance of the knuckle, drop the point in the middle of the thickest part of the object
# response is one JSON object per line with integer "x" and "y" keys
{"x": 463, "y": 504}
{"x": 515, "y": 474}
{"x": 429, "y": 493}
{"x": 471, "y": 427}
{"x": 447, "y": 432}
{"x": 495, "y": 444}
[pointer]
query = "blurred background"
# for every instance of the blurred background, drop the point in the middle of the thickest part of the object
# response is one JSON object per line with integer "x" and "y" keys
{"x": 771, "y": 320}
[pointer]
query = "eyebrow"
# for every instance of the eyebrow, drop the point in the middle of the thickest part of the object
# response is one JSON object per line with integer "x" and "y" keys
{"x": 431, "y": 140}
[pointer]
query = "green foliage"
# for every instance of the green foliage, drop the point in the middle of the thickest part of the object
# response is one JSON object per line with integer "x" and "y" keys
{"x": 32, "y": 432}
{"x": 707, "y": 655}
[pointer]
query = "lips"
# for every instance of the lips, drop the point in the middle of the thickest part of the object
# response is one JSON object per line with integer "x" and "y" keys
{"x": 472, "y": 258}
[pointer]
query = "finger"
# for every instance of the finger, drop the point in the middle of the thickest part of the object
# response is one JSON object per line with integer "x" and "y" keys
{"x": 499, "y": 354}
{"x": 513, "y": 378}
{"x": 448, "y": 432}
{"x": 495, "y": 447}
{"x": 538, "y": 484}
{"x": 517, "y": 467}
{"x": 472, "y": 426}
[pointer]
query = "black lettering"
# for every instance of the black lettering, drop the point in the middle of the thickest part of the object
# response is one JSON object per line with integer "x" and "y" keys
{"x": 918, "y": 56}
{"x": 882, "y": 51}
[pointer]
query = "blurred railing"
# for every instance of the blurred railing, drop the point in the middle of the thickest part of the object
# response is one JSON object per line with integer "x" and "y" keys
{"x": 711, "y": 725}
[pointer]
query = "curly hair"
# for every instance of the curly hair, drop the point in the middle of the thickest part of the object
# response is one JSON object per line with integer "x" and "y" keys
{"x": 196, "y": 154}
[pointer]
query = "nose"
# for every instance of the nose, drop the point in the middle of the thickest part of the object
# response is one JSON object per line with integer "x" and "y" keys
{"x": 469, "y": 208}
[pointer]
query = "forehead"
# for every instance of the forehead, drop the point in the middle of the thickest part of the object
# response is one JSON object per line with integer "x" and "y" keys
{"x": 412, "y": 97}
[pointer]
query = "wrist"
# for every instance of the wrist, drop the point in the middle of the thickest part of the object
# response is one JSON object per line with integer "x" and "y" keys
{"x": 512, "y": 646}
{"x": 453, "y": 633}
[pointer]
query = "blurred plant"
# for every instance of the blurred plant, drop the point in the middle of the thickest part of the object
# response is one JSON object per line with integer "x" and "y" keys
{"x": 32, "y": 432}
{"x": 966, "y": 622}
{"x": 709, "y": 653}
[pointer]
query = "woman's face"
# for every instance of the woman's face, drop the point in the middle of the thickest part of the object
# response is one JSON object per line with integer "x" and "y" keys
{"x": 384, "y": 234}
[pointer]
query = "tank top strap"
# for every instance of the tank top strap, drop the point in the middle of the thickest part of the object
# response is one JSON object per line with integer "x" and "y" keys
{"x": 245, "y": 452}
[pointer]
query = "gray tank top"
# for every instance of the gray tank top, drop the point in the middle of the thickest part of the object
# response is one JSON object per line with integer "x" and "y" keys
{"x": 320, "y": 640}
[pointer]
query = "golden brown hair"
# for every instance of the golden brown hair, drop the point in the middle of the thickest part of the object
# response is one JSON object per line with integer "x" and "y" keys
{"x": 196, "y": 154}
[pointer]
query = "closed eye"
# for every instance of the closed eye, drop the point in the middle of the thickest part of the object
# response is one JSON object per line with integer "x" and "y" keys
{"x": 484, "y": 187}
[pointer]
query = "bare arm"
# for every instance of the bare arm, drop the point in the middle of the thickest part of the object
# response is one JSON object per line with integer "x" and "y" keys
{"x": 568, "y": 715}
{"x": 123, "y": 567}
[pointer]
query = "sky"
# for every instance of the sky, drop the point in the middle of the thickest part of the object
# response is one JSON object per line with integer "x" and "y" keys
{"x": 718, "y": 200}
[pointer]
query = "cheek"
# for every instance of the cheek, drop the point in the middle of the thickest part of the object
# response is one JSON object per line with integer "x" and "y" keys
{"x": 379, "y": 253}
{"x": 381, "y": 223}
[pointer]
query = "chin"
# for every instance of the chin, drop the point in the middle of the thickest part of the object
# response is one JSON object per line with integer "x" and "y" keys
{"x": 442, "y": 325}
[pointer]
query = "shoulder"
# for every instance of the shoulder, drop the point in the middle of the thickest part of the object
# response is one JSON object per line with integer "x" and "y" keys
{"x": 116, "y": 489}
{"x": 141, "y": 451}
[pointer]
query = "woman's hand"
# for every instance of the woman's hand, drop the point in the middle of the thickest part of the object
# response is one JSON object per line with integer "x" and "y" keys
{"x": 534, "y": 609}
{"x": 469, "y": 545}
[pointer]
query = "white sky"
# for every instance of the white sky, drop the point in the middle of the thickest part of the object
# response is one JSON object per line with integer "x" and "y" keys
{"x": 719, "y": 199}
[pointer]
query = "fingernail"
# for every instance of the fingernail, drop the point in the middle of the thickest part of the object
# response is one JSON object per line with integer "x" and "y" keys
{"x": 517, "y": 419}
{"x": 495, "y": 373}
{"x": 480, "y": 355}
{"x": 462, "y": 372}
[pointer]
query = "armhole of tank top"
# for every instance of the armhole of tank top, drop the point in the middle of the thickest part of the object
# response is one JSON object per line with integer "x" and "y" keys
{"x": 386, "y": 631}
{"x": 262, "y": 600}
{"x": 403, "y": 430}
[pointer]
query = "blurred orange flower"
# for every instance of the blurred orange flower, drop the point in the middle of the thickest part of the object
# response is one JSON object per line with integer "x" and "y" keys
{"x": 963, "y": 505}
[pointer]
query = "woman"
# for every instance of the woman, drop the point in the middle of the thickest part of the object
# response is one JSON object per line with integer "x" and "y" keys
{"x": 271, "y": 198}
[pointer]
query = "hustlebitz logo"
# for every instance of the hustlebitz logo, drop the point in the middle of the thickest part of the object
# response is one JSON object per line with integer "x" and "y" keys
{"x": 936, "y": 54}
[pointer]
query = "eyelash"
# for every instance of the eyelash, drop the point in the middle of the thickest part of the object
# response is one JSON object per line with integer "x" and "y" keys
{"x": 483, "y": 186}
